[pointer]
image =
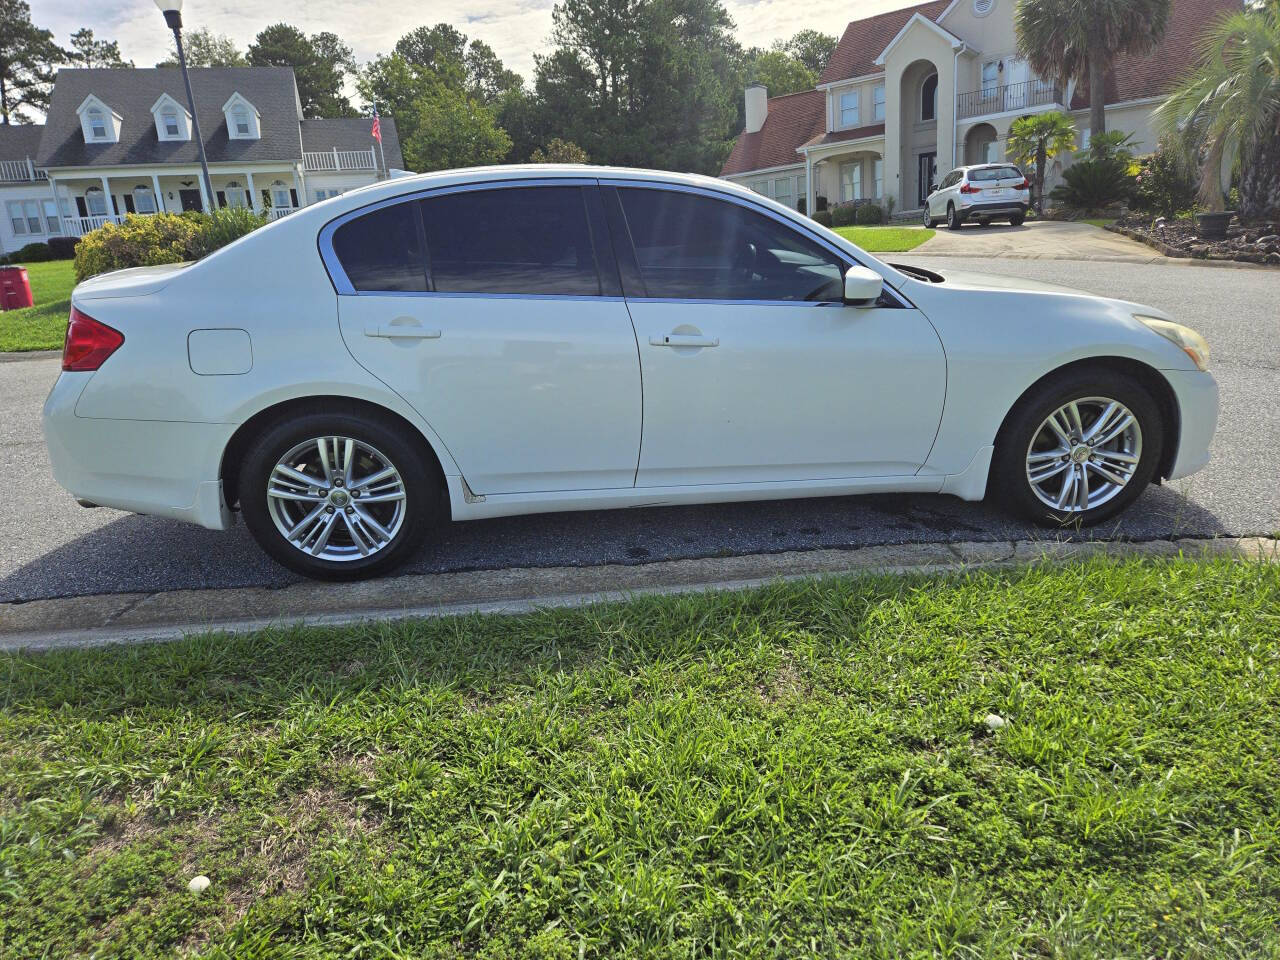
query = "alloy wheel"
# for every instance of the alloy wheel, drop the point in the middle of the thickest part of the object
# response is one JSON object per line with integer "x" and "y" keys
{"x": 336, "y": 498}
{"x": 1084, "y": 454}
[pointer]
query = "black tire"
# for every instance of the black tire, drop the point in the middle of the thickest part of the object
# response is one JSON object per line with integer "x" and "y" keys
{"x": 421, "y": 505}
{"x": 1017, "y": 219}
{"x": 928, "y": 220}
{"x": 953, "y": 218}
{"x": 1009, "y": 480}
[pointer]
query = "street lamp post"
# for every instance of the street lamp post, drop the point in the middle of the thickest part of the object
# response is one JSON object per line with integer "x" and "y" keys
{"x": 172, "y": 10}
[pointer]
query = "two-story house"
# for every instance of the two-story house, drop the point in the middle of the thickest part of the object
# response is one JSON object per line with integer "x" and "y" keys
{"x": 117, "y": 142}
{"x": 911, "y": 94}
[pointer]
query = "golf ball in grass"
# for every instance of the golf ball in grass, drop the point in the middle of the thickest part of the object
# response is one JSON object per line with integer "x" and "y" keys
{"x": 198, "y": 885}
{"x": 994, "y": 721}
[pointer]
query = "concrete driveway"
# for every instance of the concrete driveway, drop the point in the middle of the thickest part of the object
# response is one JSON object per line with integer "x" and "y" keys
{"x": 1038, "y": 240}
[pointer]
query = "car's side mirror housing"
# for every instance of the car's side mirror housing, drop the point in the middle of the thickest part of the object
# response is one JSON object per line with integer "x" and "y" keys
{"x": 862, "y": 286}
{"x": 933, "y": 188}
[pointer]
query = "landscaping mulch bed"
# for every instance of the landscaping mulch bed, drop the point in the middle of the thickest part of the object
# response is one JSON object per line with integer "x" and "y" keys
{"x": 1246, "y": 243}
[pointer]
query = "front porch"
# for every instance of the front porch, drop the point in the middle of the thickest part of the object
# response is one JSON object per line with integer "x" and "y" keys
{"x": 846, "y": 172}
{"x": 86, "y": 201}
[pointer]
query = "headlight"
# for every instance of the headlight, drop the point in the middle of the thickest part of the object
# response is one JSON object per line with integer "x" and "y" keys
{"x": 1186, "y": 339}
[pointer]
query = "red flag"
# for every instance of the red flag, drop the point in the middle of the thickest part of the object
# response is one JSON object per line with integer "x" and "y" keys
{"x": 376, "y": 132}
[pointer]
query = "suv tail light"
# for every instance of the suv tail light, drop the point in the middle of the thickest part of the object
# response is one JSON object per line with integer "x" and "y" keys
{"x": 969, "y": 188}
{"x": 88, "y": 343}
{"x": 1023, "y": 184}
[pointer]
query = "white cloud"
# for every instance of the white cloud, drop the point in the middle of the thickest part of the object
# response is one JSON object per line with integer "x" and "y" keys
{"x": 516, "y": 29}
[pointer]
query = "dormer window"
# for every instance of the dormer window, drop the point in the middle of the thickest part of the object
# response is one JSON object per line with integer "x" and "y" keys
{"x": 173, "y": 122}
{"x": 243, "y": 120}
{"x": 98, "y": 122}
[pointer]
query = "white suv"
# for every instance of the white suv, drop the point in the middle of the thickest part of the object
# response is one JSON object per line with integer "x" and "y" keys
{"x": 985, "y": 192}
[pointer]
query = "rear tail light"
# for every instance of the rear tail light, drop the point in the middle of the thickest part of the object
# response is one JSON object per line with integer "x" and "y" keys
{"x": 88, "y": 343}
{"x": 1023, "y": 184}
{"x": 969, "y": 188}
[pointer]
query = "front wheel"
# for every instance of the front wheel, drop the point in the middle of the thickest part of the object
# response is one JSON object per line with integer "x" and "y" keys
{"x": 337, "y": 496}
{"x": 1079, "y": 450}
{"x": 928, "y": 220}
{"x": 953, "y": 218}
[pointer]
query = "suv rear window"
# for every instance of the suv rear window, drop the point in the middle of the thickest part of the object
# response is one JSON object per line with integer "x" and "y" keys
{"x": 986, "y": 174}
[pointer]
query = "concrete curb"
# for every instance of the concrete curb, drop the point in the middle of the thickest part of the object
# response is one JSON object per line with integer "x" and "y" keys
{"x": 19, "y": 356}
{"x": 143, "y": 617}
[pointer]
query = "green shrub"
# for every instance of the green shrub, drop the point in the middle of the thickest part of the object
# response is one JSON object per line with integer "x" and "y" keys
{"x": 1094, "y": 184}
{"x": 145, "y": 241}
{"x": 820, "y": 202}
{"x": 31, "y": 253}
{"x": 62, "y": 248}
{"x": 869, "y": 213}
{"x": 842, "y": 214}
{"x": 1164, "y": 185}
{"x": 823, "y": 217}
{"x": 222, "y": 227}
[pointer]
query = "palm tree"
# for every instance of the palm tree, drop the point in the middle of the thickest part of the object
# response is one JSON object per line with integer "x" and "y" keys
{"x": 1227, "y": 110}
{"x": 1078, "y": 39}
{"x": 1038, "y": 139}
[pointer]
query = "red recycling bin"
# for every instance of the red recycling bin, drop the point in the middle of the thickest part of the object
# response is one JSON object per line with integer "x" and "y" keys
{"x": 15, "y": 288}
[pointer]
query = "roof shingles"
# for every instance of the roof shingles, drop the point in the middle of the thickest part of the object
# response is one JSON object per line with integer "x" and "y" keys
{"x": 791, "y": 120}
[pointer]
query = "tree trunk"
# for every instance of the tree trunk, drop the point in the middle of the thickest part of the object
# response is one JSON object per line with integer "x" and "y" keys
{"x": 1260, "y": 182}
{"x": 1042, "y": 158}
{"x": 1097, "y": 96}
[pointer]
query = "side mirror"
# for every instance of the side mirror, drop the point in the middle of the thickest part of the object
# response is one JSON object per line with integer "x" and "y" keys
{"x": 862, "y": 286}
{"x": 933, "y": 188}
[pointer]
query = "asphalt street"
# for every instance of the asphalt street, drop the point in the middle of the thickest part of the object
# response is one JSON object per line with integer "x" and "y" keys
{"x": 51, "y": 547}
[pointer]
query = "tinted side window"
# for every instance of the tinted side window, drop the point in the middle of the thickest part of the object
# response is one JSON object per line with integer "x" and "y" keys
{"x": 382, "y": 250}
{"x": 530, "y": 240}
{"x": 692, "y": 247}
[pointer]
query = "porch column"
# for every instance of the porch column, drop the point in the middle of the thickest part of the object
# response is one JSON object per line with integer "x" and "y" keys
{"x": 53, "y": 188}
{"x": 300, "y": 185}
{"x": 155, "y": 187}
{"x": 810, "y": 192}
{"x": 106, "y": 194}
{"x": 253, "y": 194}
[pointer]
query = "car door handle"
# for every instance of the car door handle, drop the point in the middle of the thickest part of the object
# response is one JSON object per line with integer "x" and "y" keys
{"x": 393, "y": 331}
{"x": 683, "y": 340}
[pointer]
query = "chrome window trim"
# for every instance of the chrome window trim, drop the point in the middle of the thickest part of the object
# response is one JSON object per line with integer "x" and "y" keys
{"x": 344, "y": 287}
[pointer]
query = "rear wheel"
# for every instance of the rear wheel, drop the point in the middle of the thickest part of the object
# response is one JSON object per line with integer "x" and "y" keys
{"x": 337, "y": 496}
{"x": 1079, "y": 450}
{"x": 953, "y": 218}
{"x": 1017, "y": 219}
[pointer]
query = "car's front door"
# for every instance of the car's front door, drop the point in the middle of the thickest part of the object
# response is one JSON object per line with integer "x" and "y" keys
{"x": 499, "y": 318}
{"x": 754, "y": 369}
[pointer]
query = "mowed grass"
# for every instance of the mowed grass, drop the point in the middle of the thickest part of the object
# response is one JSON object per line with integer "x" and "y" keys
{"x": 886, "y": 239}
{"x": 43, "y": 326}
{"x": 799, "y": 770}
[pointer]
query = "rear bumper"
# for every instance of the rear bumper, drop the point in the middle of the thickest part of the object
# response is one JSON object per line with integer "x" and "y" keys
{"x": 156, "y": 467}
{"x": 992, "y": 208}
{"x": 1197, "y": 396}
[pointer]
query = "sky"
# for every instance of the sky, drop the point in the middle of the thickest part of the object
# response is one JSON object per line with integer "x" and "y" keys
{"x": 516, "y": 29}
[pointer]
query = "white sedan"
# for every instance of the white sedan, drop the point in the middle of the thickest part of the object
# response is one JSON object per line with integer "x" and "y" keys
{"x": 509, "y": 340}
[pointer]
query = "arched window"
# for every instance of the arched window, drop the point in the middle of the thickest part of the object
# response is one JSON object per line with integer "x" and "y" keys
{"x": 280, "y": 194}
{"x": 929, "y": 98}
{"x": 97, "y": 123}
{"x": 95, "y": 202}
{"x": 169, "y": 121}
{"x": 144, "y": 201}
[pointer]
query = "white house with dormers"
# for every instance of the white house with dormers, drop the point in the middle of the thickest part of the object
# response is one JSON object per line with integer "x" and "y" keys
{"x": 909, "y": 95}
{"x": 117, "y": 142}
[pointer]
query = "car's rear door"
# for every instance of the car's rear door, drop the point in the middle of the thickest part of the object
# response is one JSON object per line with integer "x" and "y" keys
{"x": 495, "y": 310}
{"x": 754, "y": 368}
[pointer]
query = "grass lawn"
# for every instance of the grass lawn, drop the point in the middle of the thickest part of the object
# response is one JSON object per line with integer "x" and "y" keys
{"x": 799, "y": 770}
{"x": 43, "y": 326}
{"x": 886, "y": 239}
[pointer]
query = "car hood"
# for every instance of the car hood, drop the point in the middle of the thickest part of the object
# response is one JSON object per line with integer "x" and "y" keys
{"x": 133, "y": 282}
{"x": 990, "y": 281}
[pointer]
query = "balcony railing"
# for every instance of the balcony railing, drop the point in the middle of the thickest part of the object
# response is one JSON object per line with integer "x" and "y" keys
{"x": 333, "y": 161}
{"x": 20, "y": 171}
{"x": 1013, "y": 96}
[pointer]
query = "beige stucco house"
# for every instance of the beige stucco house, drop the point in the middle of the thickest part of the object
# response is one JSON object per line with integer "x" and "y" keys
{"x": 911, "y": 94}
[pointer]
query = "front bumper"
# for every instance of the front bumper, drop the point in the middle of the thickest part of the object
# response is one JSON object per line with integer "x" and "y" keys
{"x": 157, "y": 467}
{"x": 1197, "y": 396}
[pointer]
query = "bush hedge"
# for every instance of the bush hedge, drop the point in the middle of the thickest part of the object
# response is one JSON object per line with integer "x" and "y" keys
{"x": 62, "y": 248}
{"x": 869, "y": 213}
{"x": 823, "y": 217}
{"x": 842, "y": 214}
{"x": 145, "y": 241}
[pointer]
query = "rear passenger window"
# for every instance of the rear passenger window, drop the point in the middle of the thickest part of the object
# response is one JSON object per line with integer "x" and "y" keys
{"x": 523, "y": 240}
{"x": 691, "y": 247}
{"x": 987, "y": 174}
{"x": 382, "y": 251}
